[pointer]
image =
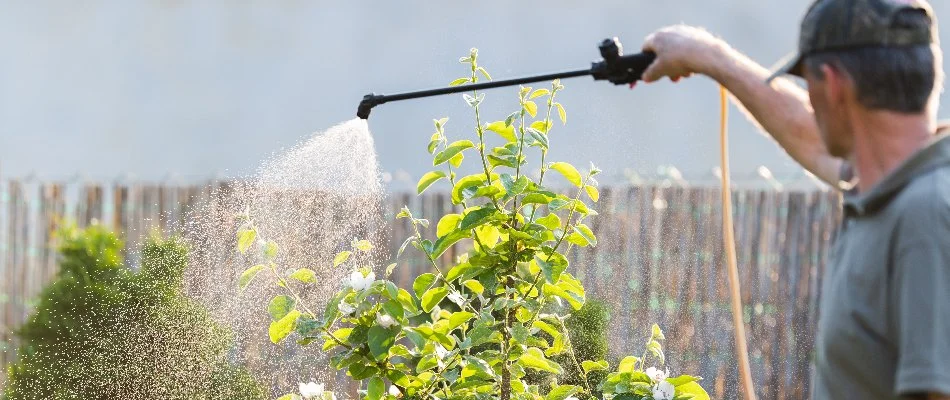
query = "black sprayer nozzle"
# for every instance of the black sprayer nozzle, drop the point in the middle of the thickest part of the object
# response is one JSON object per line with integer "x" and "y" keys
{"x": 369, "y": 101}
{"x": 615, "y": 67}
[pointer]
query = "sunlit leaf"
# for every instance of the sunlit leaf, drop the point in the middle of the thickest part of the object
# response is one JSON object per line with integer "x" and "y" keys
{"x": 561, "y": 113}
{"x": 341, "y": 257}
{"x": 305, "y": 275}
{"x": 248, "y": 275}
{"x": 539, "y": 93}
{"x": 460, "y": 81}
{"x": 363, "y": 245}
{"x": 592, "y": 192}
{"x": 531, "y": 108}
{"x": 568, "y": 171}
{"x": 447, "y": 224}
{"x": 432, "y": 297}
{"x": 280, "y": 306}
{"x": 279, "y": 329}
{"x": 589, "y": 366}
{"x": 535, "y": 359}
{"x": 451, "y": 151}
{"x": 503, "y": 129}
{"x": 246, "y": 239}
{"x": 484, "y": 73}
{"x": 428, "y": 179}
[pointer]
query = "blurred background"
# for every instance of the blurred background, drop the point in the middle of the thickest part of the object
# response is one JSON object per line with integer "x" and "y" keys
{"x": 178, "y": 90}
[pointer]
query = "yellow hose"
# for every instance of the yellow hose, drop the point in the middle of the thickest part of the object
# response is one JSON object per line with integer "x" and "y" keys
{"x": 728, "y": 234}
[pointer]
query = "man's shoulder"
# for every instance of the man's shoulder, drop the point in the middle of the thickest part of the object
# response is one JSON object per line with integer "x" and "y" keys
{"x": 925, "y": 202}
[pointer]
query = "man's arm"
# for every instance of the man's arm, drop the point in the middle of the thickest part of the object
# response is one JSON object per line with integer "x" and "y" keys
{"x": 781, "y": 108}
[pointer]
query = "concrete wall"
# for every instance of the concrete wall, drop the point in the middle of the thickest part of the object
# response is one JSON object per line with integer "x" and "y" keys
{"x": 192, "y": 89}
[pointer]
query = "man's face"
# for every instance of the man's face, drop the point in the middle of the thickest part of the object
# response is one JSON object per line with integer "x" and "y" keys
{"x": 825, "y": 93}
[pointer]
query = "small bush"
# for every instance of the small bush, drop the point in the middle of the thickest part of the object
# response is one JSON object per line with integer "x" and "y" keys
{"x": 102, "y": 331}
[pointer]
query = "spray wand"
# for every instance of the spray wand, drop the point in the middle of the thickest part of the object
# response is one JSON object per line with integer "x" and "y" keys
{"x": 621, "y": 69}
{"x": 615, "y": 67}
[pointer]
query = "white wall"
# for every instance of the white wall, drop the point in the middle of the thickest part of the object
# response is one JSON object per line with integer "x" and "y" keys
{"x": 198, "y": 88}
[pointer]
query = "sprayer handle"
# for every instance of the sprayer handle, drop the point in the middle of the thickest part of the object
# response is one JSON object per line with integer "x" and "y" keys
{"x": 623, "y": 70}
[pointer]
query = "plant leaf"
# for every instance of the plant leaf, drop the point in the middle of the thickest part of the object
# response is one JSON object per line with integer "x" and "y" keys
{"x": 561, "y": 113}
{"x": 540, "y": 138}
{"x": 447, "y": 224}
{"x": 380, "y": 340}
{"x": 562, "y": 392}
{"x": 428, "y": 179}
{"x": 504, "y": 130}
{"x": 694, "y": 389}
{"x": 305, "y": 275}
{"x": 484, "y": 72}
{"x": 447, "y": 241}
{"x": 422, "y": 283}
{"x": 535, "y": 359}
{"x": 432, "y": 297}
{"x": 246, "y": 239}
{"x": 475, "y": 286}
{"x": 363, "y": 245}
{"x": 279, "y": 329}
{"x": 532, "y": 108}
{"x": 589, "y": 366}
{"x": 460, "y": 81}
{"x": 248, "y": 275}
{"x": 341, "y": 257}
{"x": 473, "y": 101}
{"x": 477, "y": 217}
{"x": 451, "y": 151}
{"x": 375, "y": 388}
{"x": 270, "y": 249}
{"x": 592, "y": 192}
{"x": 588, "y": 235}
{"x": 280, "y": 306}
{"x": 627, "y": 364}
{"x": 539, "y": 93}
{"x": 568, "y": 171}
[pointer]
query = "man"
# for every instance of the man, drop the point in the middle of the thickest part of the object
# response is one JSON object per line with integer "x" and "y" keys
{"x": 874, "y": 71}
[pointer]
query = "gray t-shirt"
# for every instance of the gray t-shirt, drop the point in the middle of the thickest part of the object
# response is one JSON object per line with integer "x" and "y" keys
{"x": 884, "y": 328}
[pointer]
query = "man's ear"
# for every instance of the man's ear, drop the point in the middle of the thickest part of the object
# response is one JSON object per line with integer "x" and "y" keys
{"x": 838, "y": 86}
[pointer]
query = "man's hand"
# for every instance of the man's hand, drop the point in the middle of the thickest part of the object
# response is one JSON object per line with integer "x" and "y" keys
{"x": 682, "y": 51}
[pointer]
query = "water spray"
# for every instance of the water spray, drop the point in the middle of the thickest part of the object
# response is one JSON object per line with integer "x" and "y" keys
{"x": 620, "y": 69}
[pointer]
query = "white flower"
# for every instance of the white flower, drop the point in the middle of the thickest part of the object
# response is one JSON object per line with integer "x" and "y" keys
{"x": 663, "y": 391}
{"x": 346, "y": 308}
{"x": 457, "y": 298}
{"x": 385, "y": 320}
{"x": 441, "y": 353}
{"x": 311, "y": 390}
{"x": 394, "y": 391}
{"x": 657, "y": 375}
{"x": 359, "y": 282}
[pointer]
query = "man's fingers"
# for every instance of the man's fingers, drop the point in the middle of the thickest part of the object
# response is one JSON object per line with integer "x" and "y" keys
{"x": 652, "y": 73}
{"x": 648, "y": 43}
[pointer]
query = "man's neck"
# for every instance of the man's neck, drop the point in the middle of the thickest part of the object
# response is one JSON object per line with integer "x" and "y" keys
{"x": 883, "y": 140}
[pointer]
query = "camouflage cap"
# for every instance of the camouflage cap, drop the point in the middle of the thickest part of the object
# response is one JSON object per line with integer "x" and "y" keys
{"x": 847, "y": 24}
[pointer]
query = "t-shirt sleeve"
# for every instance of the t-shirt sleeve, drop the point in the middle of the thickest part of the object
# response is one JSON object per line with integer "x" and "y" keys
{"x": 921, "y": 303}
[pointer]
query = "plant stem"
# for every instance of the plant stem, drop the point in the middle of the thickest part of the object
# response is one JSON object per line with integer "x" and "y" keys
{"x": 570, "y": 350}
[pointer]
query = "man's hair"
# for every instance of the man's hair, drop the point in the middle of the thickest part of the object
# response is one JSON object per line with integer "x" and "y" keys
{"x": 901, "y": 79}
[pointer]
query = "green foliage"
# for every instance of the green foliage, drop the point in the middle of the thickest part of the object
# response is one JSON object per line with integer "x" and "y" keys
{"x": 101, "y": 331}
{"x": 476, "y": 328}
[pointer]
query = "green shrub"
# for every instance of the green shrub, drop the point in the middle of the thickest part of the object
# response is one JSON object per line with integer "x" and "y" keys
{"x": 102, "y": 331}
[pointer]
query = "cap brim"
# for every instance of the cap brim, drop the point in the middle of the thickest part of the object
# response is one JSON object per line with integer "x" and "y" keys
{"x": 788, "y": 65}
